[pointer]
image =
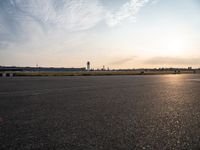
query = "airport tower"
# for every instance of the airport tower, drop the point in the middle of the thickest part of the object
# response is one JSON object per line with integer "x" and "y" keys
{"x": 88, "y": 66}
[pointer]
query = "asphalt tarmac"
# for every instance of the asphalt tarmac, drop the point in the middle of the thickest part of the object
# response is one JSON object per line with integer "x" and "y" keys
{"x": 100, "y": 113}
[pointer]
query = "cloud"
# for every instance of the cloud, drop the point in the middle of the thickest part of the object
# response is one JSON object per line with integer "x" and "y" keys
{"x": 173, "y": 61}
{"x": 23, "y": 21}
{"x": 40, "y": 24}
{"x": 122, "y": 61}
{"x": 65, "y": 14}
{"x": 128, "y": 10}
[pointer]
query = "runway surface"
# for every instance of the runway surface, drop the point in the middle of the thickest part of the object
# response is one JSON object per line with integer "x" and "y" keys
{"x": 100, "y": 113}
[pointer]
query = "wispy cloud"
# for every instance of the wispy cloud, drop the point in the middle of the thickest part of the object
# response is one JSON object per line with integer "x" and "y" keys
{"x": 122, "y": 60}
{"x": 23, "y": 20}
{"x": 128, "y": 10}
{"x": 40, "y": 20}
{"x": 65, "y": 14}
{"x": 173, "y": 61}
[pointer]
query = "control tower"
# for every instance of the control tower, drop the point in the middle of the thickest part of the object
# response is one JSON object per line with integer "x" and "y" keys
{"x": 88, "y": 66}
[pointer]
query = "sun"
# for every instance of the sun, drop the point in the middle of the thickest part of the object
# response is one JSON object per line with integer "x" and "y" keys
{"x": 172, "y": 44}
{"x": 175, "y": 45}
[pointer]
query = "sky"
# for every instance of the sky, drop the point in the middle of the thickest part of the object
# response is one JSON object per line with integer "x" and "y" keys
{"x": 111, "y": 33}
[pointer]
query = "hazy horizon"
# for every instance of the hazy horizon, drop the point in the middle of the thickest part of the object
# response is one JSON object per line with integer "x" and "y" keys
{"x": 115, "y": 33}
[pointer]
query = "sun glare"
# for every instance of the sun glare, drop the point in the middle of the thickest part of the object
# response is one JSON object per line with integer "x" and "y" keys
{"x": 173, "y": 43}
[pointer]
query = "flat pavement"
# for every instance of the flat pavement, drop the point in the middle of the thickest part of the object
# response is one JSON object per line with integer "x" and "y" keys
{"x": 100, "y": 112}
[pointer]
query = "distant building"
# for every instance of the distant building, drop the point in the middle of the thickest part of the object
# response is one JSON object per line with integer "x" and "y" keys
{"x": 88, "y": 66}
{"x": 103, "y": 68}
{"x": 40, "y": 69}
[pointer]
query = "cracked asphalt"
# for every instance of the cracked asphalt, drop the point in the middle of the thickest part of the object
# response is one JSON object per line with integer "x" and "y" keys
{"x": 159, "y": 112}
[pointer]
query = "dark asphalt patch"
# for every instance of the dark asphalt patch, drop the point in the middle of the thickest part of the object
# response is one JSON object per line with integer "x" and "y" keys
{"x": 98, "y": 113}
